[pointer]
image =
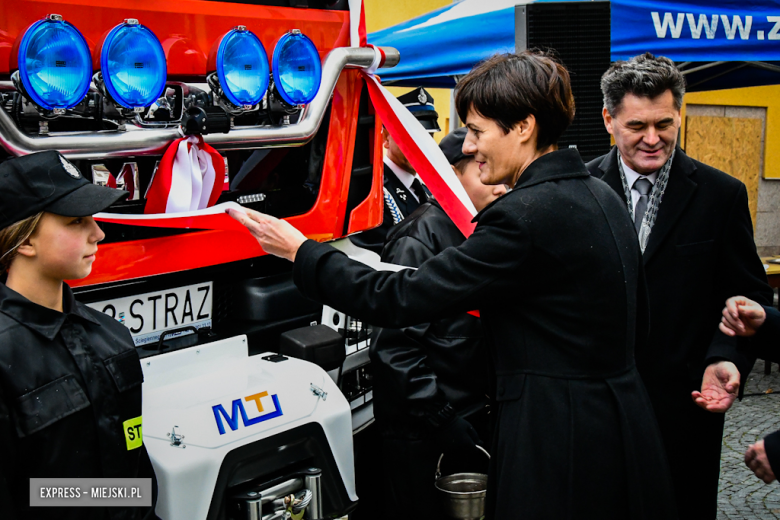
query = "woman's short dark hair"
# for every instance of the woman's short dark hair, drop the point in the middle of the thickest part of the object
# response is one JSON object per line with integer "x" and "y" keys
{"x": 643, "y": 76}
{"x": 507, "y": 88}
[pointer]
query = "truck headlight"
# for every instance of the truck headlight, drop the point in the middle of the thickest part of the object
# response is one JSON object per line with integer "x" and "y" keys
{"x": 133, "y": 65}
{"x": 297, "y": 69}
{"x": 54, "y": 64}
{"x": 242, "y": 67}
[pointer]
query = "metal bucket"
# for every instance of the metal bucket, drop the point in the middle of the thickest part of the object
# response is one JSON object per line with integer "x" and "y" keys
{"x": 462, "y": 495}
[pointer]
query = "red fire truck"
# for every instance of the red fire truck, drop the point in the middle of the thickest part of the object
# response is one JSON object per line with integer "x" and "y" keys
{"x": 232, "y": 420}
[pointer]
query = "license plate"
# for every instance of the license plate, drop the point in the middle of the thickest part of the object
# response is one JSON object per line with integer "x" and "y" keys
{"x": 148, "y": 315}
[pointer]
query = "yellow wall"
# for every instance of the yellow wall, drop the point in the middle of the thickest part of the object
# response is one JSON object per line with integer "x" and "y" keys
{"x": 384, "y": 13}
{"x": 768, "y": 97}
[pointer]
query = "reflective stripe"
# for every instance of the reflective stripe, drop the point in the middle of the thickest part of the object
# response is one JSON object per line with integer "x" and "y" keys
{"x": 133, "y": 433}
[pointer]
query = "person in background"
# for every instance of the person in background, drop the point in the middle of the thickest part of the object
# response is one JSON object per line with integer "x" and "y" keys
{"x": 70, "y": 377}
{"x": 404, "y": 192}
{"x": 696, "y": 235}
{"x": 744, "y": 317}
{"x": 431, "y": 380}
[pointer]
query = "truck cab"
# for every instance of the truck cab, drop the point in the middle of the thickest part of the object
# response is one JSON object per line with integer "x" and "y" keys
{"x": 252, "y": 392}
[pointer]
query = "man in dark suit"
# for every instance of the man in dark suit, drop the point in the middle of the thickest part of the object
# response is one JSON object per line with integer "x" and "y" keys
{"x": 403, "y": 190}
{"x": 431, "y": 379}
{"x": 403, "y": 194}
{"x": 695, "y": 230}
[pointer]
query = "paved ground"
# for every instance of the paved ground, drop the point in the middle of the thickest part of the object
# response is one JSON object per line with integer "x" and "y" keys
{"x": 742, "y": 496}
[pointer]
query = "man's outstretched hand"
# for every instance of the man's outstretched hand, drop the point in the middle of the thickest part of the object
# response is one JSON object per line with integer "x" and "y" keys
{"x": 277, "y": 237}
{"x": 757, "y": 461}
{"x": 719, "y": 387}
{"x": 741, "y": 317}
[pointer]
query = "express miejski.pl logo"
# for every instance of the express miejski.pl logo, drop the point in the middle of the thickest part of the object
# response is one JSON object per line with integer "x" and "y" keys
{"x": 238, "y": 411}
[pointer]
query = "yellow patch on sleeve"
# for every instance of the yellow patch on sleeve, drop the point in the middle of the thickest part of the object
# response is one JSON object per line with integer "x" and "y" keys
{"x": 133, "y": 433}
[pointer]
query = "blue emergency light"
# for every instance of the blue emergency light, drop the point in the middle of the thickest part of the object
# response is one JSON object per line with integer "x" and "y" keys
{"x": 133, "y": 65}
{"x": 297, "y": 68}
{"x": 242, "y": 67}
{"x": 54, "y": 64}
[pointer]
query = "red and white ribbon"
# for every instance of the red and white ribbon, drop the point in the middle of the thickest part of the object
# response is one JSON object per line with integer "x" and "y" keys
{"x": 424, "y": 154}
{"x": 415, "y": 142}
{"x": 126, "y": 179}
{"x": 191, "y": 176}
{"x": 357, "y": 24}
{"x": 214, "y": 217}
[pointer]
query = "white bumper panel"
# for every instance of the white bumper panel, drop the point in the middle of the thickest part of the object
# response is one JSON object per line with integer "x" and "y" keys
{"x": 218, "y": 399}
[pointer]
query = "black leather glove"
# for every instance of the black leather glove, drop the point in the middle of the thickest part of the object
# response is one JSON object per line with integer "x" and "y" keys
{"x": 458, "y": 435}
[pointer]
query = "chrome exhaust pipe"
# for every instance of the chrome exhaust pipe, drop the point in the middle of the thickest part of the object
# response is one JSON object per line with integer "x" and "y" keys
{"x": 134, "y": 141}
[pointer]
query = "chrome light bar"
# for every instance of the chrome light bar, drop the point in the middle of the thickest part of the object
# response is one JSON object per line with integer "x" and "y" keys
{"x": 138, "y": 142}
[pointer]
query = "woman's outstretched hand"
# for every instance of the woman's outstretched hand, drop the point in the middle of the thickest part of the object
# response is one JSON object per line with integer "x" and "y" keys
{"x": 276, "y": 236}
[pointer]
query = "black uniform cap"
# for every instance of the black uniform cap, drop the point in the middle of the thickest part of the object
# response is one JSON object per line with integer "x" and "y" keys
{"x": 452, "y": 145}
{"x": 47, "y": 181}
{"x": 420, "y": 103}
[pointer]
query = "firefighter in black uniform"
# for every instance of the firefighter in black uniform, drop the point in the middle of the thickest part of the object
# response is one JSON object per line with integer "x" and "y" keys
{"x": 431, "y": 380}
{"x": 403, "y": 190}
{"x": 70, "y": 378}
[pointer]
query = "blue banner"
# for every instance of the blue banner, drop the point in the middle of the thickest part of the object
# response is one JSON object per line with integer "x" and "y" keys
{"x": 446, "y": 43}
{"x": 691, "y": 30}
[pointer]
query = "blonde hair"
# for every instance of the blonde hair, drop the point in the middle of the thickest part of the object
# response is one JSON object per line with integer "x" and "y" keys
{"x": 14, "y": 236}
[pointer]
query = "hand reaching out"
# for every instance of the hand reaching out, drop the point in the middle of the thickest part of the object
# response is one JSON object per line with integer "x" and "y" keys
{"x": 757, "y": 461}
{"x": 741, "y": 317}
{"x": 719, "y": 387}
{"x": 277, "y": 237}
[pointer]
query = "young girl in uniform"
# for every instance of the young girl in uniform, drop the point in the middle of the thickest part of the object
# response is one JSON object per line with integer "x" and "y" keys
{"x": 70, "y": 378}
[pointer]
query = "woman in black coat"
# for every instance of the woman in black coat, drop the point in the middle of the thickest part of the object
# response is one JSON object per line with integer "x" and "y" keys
{"x": 555, "y": 270}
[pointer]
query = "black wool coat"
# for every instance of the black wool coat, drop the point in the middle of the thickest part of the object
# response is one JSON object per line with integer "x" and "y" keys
{"x": 69, "y": 382}
{"x": 700, "y": 252}
{"x": 555, "y": 271}
{"x": 418, "y": 370}
{"x": 768, "y": 337}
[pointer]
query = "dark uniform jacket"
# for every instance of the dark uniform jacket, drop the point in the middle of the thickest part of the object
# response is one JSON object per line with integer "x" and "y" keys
{"x": 404, "y": 203}
{"x": 420, "y": 369}
{"x": 68, "y": 382}
{"x": 700, "y": 252}
{"x": 555, "y": 270}
{"x": 767, "y": 340}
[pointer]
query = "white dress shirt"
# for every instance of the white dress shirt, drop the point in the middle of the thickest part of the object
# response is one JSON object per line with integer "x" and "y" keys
{"x": 404, "y": 176}
{"x": 632, "y": 176}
